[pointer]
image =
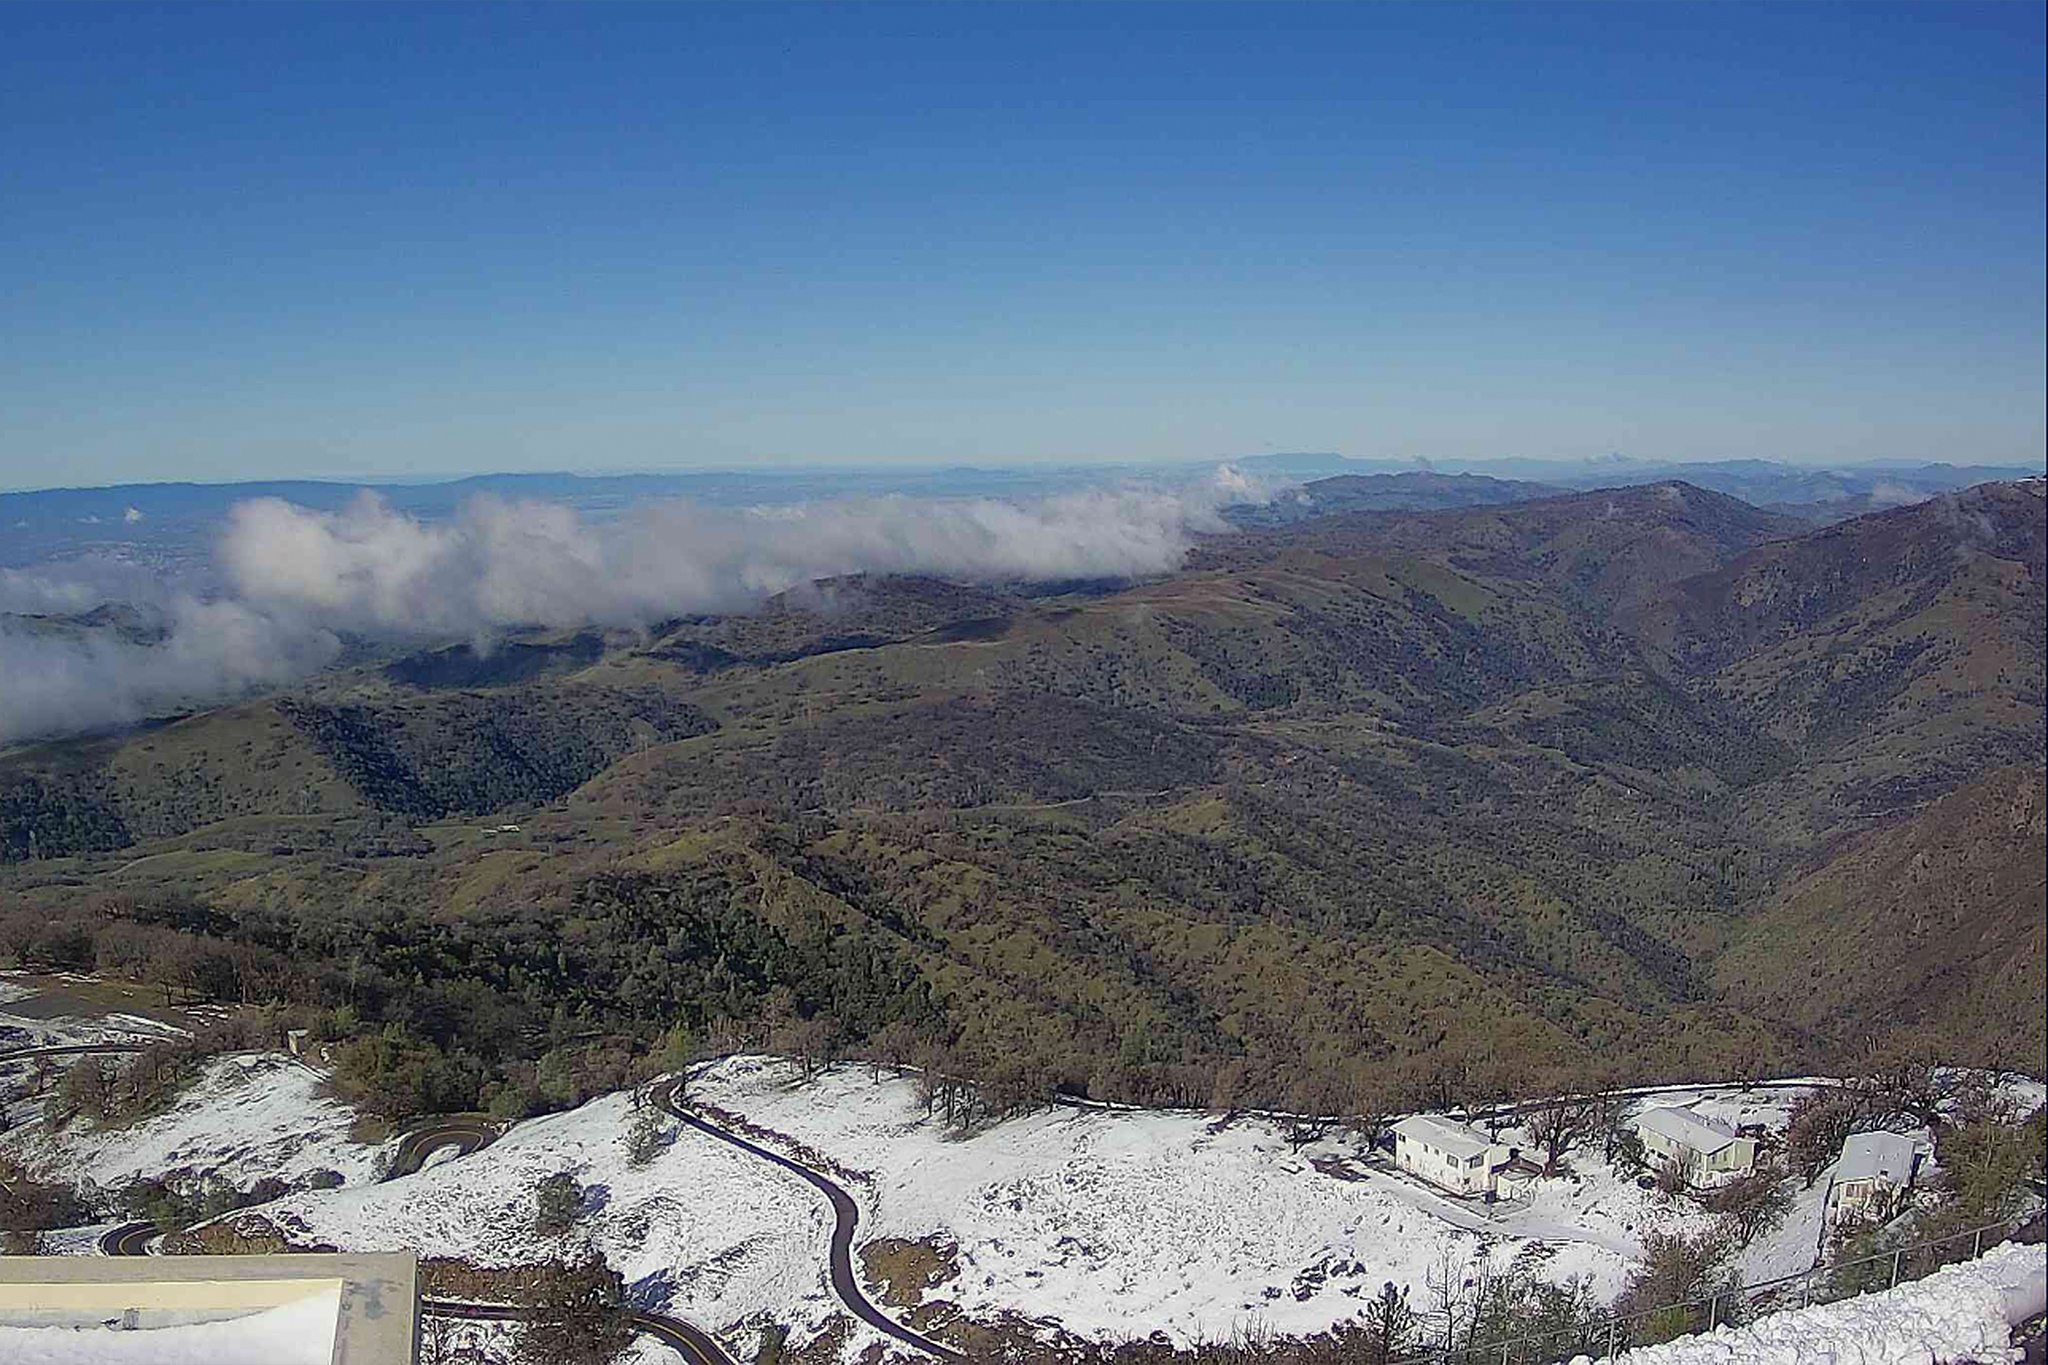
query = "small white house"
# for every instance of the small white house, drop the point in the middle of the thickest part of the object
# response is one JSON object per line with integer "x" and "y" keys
{"x": 1459, "y": 1158}
{"x": 1874, "y": 1173}
{"x": 1705, "y": 1148}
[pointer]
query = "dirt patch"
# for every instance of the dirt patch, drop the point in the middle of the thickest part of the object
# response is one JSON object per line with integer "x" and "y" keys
{"x": 826, "y": 1348}
{"x": 1005, "y": 1337}
{"x": 249, "y": 1234}
{"x": 1337, "y": 1167}
{"x": 905, "y": 1270}
{"x": 47, "y": 996}
{"x": 371, "y": 1130}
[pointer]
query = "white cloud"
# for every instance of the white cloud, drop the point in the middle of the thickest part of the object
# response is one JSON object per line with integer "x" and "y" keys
{"x": 1886, "y": 494}
{"x": 61, "y": 683}
{"x": 290, "y": 577}
{"x": 500, "y": 564}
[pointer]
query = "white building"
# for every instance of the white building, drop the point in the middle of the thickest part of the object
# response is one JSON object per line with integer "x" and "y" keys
{"x": 1706, "y": 1149}
{"x": 1459, "y": 1158}
{"x": 1874, "y": 1173}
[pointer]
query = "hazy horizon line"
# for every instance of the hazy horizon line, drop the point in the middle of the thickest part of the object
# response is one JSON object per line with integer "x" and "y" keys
{"x": 823, "y": 465}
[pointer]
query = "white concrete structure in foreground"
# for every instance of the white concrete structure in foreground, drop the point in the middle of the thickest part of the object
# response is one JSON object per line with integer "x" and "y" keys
{"x": 210, "y": 1310}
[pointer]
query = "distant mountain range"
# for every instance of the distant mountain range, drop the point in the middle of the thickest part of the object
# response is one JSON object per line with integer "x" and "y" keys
{"x": 175, "y": 521}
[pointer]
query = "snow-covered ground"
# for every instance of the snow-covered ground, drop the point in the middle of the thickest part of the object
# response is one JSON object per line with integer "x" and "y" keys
{"x": 703, "y": 1231}
{"x": 1112, "y": 1221}
{"x": 1119, "y": 1221}
{"x": 1102, "y": 1222}
{"x": 249, "y": 1115}
{"x": 18, "y": 1031}
{"x": 1098, "y": 1221}
{"x": 1958, "y": 1313}
{"x": 1598, "y": 1201}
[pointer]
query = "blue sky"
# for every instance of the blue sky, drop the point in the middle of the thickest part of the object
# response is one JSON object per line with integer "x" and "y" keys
{"x": 270, "y": 240}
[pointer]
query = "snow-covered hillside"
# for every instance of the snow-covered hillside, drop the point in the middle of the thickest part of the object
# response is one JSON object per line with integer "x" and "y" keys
{"x": 703, "y": 1231}
{"x": 1098, "y": 1222}
{"x": 1115, "y": 1221}
{"x": 249, "y": 1115}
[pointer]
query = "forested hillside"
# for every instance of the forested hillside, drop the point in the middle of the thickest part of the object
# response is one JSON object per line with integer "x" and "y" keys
{"x": 1642, "y": 782}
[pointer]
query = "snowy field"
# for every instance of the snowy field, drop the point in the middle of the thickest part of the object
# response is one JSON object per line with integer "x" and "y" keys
{"x": 703, "y": 1231}
{"x": 249, "y": 1115}
{"x": 1113, "y": 1221}
{"x": 1096, "y": 1222}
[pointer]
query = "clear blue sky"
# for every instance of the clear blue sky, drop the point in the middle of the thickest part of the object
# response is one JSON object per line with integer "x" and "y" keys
{"x": 257, "y": 240}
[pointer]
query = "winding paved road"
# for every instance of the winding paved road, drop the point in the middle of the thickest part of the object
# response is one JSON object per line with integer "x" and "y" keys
{"x": 691, "y": 1344}
{"x": 845, "y": 1217}
{"x": 130, "y": 1239}
{"x": 417, "y": 1144}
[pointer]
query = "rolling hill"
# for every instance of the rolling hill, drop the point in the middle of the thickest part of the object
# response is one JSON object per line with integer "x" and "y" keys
{"x": 1576, "y": 784}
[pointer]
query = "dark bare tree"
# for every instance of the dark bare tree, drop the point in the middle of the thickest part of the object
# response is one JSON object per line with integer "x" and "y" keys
{"x": 580, "y": 1316}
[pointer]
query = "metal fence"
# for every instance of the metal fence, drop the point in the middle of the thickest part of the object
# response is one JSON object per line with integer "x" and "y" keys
{"x": 1613, "y": 1336}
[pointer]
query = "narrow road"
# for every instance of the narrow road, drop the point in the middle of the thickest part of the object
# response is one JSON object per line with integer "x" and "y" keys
{"x": 691, "y": 1344}
{"x": 845, "y": 1217}
{"x": 130, "y": 1239}
{"x": 22, "y": 1054}
{"x": 417, "y": 1144}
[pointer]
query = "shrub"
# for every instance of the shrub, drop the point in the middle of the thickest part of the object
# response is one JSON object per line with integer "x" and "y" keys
{"x": 558, "y": 1200}
{"x": 1678, "y": 1268}
{"x": 646, "y": 1136}
{"x": 1816, "y": 1126}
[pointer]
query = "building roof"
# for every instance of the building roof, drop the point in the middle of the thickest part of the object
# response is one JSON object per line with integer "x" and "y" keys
{"x": 1687, "y": 1128}
{"x": 1445, "y": 1135}
{"x": 1884, "y": 1156}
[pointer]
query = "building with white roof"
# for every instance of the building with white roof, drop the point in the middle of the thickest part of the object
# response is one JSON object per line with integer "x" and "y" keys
{"x": 1705, "y": 1148}
{"x": 1453, "y": 1155}
{"x": 1873, "y": 1174}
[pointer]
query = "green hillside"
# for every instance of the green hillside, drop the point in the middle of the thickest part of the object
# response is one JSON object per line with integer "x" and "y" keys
{"x": 1630, "y": 782}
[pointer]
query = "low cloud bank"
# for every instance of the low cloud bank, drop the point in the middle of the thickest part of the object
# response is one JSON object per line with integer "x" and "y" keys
{"x": 291, "y": 577}
{"x": 54, "y": 683}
